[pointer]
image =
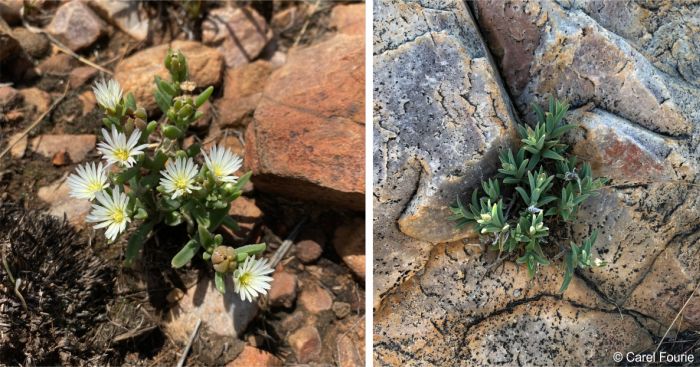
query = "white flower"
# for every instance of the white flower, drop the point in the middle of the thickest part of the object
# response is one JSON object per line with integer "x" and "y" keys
{"x": 251, "y": 280}
{"x": 88, "y": 181}
{"x": 598, "y": 262}
{"x": 118, "y": 150}
{"x": 108, "y": 94}
{"x": 111, "y": 213}
{"x": 222, "y": 164}
{"x": 178, "y": 177}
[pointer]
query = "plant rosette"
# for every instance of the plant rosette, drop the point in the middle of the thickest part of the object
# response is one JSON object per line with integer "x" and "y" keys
{"x": 147, "y": 177}
{"x": 538, "y": 187}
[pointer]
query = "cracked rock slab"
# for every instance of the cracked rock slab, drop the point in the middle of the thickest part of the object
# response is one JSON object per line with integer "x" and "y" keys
{"x": 429, "y": 316}
{"x": 441, "y": 116}
{"x": 567, "y": 54}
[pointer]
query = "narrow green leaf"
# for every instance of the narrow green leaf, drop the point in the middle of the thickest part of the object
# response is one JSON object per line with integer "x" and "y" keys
{"x": 219, "y": 282}
{"x": 186, "y": 254}
{"x": 136, "y": 242}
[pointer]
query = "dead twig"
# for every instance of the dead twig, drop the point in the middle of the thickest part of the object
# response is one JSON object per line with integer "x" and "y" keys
{"x": 287, "y": 244}
{"x": 676, "y": 318}
{"x": 61, "y": 47}
{"x": 36, "y": 122}
{"x": 181, "y": 362}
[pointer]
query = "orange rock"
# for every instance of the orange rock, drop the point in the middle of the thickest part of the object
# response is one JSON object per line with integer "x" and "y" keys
{"x": 240, "y": 34}
{"x": 349, "y": 243}
{"x": 136, "y": 73}
{"x": 61, "y": 158}
{"x": 77, "y": 146}
{"x": 243, "y": 89}
{"x": 349, "y": 19}
{"x": 315, "y": 299}
{"x": 306, "y": 343}
{"x": 307, "y": 139}
{"x": 283, "y": 291}
{"x": 254, "y": 357}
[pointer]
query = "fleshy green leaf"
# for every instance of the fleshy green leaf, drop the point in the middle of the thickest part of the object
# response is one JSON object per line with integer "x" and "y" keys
{"x": 186, "y": 254}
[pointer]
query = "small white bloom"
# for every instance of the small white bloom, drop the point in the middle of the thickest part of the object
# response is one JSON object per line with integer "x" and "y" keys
{"x": 251, "y": 280}
{"x": 111, "y": 212}
{"x": 108, "y": 94}
{"x": 88, "y": 181}
{"x": 222, "y": 164}
{"x": 598, "y": 262}
{"x": 178, "y": 177}
{"x": 118, "y": 150}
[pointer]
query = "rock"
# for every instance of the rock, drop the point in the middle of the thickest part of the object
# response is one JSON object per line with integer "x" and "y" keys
{"x": 441, "y": 117}
{"x": 224, "y": 314}
{"x": 240, "y": 34}
{"x": 76, "y": 26}
{"x": 315, "y": 299}
{"x": 9, "y": 46}
{"x": 284, "y": 289}
{"x": 308, "y": 135}
{"x": 57, "y": 196}
{"x": 429, "y": 315}
{"x": 348, "y": 356}
{"x": 620, "y": 150}
{"x": 202, "y": 124}
{"x": 9, "y": 11}
{"x": 81, "y": 75}
{"x": 254, "y": 357}
{"x": 306, "y": 344}
{"x": 246, "y": 214}
{"x": 61, "y": 158}
{"x": 137, "y": 72}
{"x": 581, "y": 336}
{"x": 341, "y": 309}
{"x": 579, "y": 60}
{"x": 77, "y": 146}
{"x": 19, "y": 145}
{"x": 349, "y": 243}
{"x": 665, "y": 34}
{"x": 88, "y": 100}
{"x": 126, "y": 15}
{"x": 349, "y": 19}
{"x": 58, "y": 64}
{"x": 308, "y": 251}
{"x": 36, "y": 45}
{"x": 9, "y": 97}
{"x": 38, "y": 100}
{"x": 243, "y": 89}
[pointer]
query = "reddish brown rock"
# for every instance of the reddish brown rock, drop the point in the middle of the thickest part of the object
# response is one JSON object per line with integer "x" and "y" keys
{"x": 349, "y": 19}
{"x": 126, "y": 15}
{"x": 35, "y": 45}
{"x": 57, "y": 196}
{"x": 308, "y": 251}
{"x": 243, "y": 89}
{"x": 239, "y": 33}
{"x": 283, "y": 291}
{"x": 77, "y": 146}
{"x": 306, "y": 343}
{"x": 36, "y": 99}
{"x": 136, "y": 73}
{"x": 348, "y": 355}
{"x": 349, "y": 243}
{"x": 8, "y": 97}
{"x": 315, "y": 299}
{"x": 81, "y": 75}
{"x": 246, "y": 214}
{"x": 61, "y": 158}
{"x": 254, "y": 357}
{"x": 19, "y": 145}
{"x": 58, "y": 64}
{"x": 307, "y": 140}
{"x": 88, "y": 100}
{"x": 76, "y": 26}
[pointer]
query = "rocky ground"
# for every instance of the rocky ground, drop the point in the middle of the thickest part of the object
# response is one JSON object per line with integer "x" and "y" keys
{"x": 289, "y": 98}
{"x": 451, "y": 80}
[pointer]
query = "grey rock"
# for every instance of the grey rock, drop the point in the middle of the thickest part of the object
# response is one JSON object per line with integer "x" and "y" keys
{"x": 441, "y": 116}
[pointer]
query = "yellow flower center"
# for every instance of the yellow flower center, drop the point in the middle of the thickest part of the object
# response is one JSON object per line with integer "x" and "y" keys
{"x": 95, "y": 186}
{"x": 118, "y": 216}
{"x": 121, "y": 154}
{"x": 218, "y": 172}
{"x": 245, "y": 279}
{"x": 181, "y": 183}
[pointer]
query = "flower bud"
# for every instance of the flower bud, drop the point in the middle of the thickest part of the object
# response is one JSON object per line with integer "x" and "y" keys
{"x": 141, "y": 113}
{"x": 224, "y": 259}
